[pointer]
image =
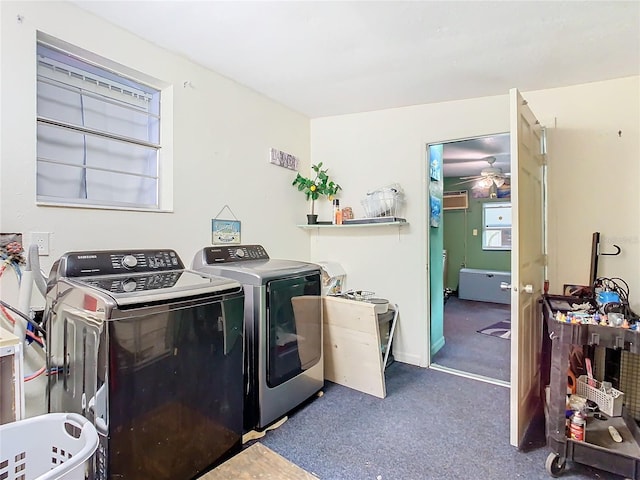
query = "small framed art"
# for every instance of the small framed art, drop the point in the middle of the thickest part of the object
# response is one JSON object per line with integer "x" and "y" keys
{"x": 225, "y": 232}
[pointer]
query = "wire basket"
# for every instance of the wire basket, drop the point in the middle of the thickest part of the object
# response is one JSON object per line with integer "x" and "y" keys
{"x": 52, "y": 446}
{"x": 609, "y": 402}
{"x": 384, "y": 202}
{"x": 363, "y": 295}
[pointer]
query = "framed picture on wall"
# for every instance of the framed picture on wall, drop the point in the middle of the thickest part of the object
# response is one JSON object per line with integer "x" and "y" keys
{"x": 435, "y": 167}
{"x": 435, "y": 204}
{"x": 283, "y": 159}
{"x": 225, "y": 232}
{"x": 435, "y": 162}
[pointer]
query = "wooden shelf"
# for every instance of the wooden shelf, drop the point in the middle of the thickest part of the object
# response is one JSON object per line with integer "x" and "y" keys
{"x": 357, "y": 225}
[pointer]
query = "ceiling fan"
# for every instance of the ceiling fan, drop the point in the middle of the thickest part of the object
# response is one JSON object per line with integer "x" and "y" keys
{"x": 488, "y": 177}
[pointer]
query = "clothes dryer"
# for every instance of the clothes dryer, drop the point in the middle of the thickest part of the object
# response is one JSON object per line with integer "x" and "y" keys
{"x": 283, "y": 328}
{"x": 152, "y": 353}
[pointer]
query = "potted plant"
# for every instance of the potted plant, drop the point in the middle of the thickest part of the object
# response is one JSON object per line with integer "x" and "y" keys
{"x": 315, "y": 188}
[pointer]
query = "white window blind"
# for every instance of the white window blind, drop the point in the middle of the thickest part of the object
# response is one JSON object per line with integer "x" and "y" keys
{"x": 98, "y": 135}
{"x": 496, "y": 231}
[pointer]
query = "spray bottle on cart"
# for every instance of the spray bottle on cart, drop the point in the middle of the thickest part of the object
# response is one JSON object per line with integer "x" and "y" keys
{"x": 578, "y": 426}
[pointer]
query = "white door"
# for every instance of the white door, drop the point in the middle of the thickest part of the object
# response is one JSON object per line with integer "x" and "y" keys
{"x": 527, "y": 263}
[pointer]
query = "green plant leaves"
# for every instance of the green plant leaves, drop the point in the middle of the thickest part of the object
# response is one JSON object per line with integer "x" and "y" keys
{"x": 320, "y": 185}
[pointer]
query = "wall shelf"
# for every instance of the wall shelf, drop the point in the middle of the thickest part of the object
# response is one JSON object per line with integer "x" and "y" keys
{"x": 357, "y": 225}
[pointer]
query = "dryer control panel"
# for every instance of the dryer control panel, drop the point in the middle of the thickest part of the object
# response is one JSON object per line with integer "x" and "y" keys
{"x": 234, "y": 253}
{"x": 110, "y": 262}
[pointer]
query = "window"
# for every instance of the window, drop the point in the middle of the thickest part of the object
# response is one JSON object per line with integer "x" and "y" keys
{"x": 98, "y": 132}
{"x": 496, "y": 226}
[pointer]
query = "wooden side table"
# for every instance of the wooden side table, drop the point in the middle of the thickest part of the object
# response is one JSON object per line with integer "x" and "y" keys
{"x": 353, "y": 351}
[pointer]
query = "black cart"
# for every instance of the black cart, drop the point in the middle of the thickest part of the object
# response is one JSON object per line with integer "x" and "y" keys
{"x": 598, "y": 449}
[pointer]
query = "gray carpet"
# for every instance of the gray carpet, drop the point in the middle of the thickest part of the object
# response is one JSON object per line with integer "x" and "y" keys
{"x": 469, "y": 351}
{"x": 432, "y": 425}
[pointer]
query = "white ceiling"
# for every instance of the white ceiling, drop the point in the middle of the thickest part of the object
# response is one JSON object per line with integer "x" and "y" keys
{"x": 469, "y": 157}
{"x": 325, "y": 58}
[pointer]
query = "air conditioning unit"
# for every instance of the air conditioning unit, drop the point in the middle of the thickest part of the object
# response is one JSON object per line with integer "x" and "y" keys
{"x": 455, "y": 200}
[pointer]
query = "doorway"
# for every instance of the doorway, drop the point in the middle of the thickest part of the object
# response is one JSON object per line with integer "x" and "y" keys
{"x": 470, "y": 313}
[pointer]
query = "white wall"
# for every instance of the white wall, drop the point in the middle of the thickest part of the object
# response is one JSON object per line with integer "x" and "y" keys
{"x": 369, "y": 150}
{"x": 594, "y": 179}
{"x": 222, "y": 136}
{"x": 593, "y": 186}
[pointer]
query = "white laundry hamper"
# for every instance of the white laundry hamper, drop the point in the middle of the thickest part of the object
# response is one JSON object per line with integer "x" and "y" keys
{"x": 47, "y": 447}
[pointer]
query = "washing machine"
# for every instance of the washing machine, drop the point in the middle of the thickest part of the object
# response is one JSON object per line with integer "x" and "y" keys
{"x": 283, "y": 328}
{"x": 152, "y": 354}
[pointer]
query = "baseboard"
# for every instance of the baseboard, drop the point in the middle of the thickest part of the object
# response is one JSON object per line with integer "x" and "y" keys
{"x": 407, "y": 358}
{"x": 435, "y": 348}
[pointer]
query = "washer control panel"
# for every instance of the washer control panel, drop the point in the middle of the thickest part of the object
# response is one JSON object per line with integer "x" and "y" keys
{"x": 137, "y": 283}
{"x": 234, "y": 253}
{"x": 110, "y": 262}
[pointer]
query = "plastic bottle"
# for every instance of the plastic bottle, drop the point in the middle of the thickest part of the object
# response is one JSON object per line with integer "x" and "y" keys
{"x": 337, "y": 213}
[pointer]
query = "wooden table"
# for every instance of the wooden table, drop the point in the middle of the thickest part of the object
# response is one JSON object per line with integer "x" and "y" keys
{"x": 352, "y": 345}
{"x": 258, "y": 462}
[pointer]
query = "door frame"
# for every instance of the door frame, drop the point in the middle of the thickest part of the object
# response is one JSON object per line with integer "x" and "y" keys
{"x": 426, "y": 214}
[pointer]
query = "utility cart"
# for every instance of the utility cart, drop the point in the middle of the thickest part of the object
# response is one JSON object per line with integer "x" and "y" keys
{"x": 598, "y": 449}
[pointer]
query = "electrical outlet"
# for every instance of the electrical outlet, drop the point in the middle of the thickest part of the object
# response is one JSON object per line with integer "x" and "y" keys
{"x": 475, "y": 232}
{"x": 42, "y": 240}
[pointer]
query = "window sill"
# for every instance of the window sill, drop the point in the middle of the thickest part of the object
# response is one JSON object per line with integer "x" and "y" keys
{"x": 101, "y": 207}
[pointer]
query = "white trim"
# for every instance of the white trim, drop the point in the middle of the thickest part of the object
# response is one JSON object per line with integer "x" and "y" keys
{"x": 42, "y": 203}
{"x": 472, "y": 376}
{"x": 425, "y": 254}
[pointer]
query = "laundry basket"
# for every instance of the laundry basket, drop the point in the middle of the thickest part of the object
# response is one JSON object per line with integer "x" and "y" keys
{"x": 47, "y": 447}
